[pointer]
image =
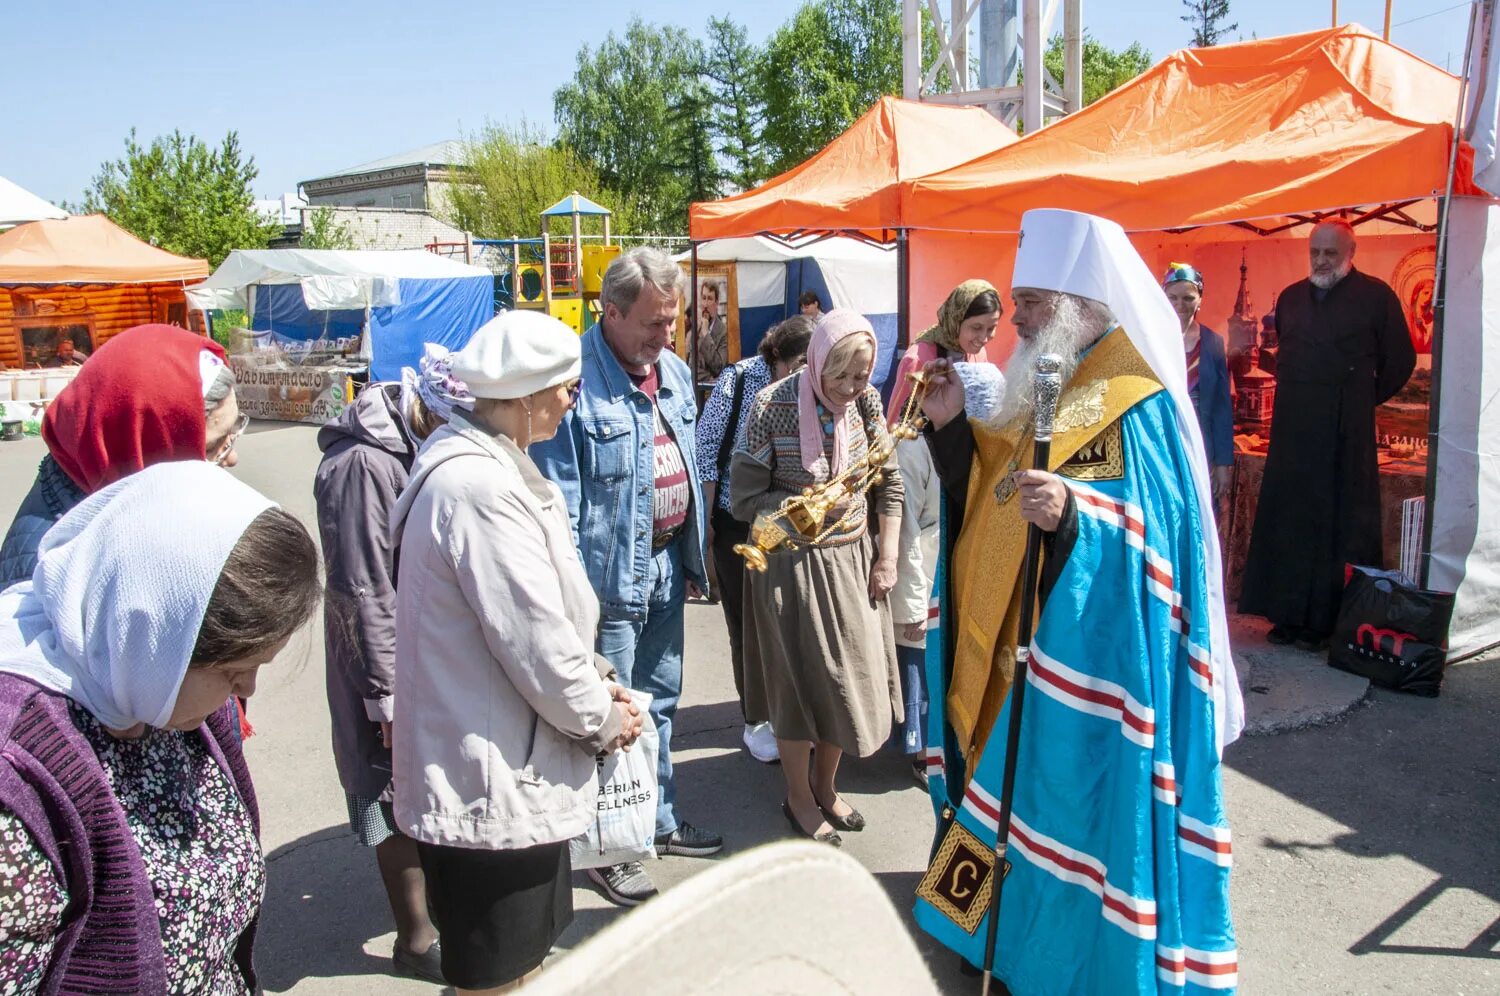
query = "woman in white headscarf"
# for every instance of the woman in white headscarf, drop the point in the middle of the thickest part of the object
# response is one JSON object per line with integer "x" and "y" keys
{"x": 129, "y": 851}
{"x": 502, "y": 706}
{"x": 367, "y": 453}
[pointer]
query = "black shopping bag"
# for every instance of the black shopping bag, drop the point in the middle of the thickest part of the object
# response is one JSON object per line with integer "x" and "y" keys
{"x": 1392, "y": 632}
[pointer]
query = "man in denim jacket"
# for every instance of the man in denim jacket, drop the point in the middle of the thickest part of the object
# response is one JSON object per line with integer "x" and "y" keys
{"x": 624, "y": 459}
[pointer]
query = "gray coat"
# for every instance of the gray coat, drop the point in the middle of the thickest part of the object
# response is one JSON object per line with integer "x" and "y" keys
{"x": 367, "y": 454}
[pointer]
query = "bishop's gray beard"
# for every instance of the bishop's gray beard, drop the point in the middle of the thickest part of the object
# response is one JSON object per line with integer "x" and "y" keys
{"x": 1326, "y": 281}
{"x": 1065, "y": 336}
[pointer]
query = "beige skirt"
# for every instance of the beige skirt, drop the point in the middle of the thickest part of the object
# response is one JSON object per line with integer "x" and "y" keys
{"x": 820, "y": 659}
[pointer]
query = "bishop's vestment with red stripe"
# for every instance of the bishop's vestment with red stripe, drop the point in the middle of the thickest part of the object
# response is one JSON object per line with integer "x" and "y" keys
{"x": 1119, "y": 845}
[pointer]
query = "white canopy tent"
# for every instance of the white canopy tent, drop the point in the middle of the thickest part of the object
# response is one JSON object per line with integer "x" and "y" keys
{"x": 845, "y": 273}
{"x": 858, "y": 275}
{"x": 18, "y": 206}
{"x": 394, "y": 300}
{"x": 330, "y": 278}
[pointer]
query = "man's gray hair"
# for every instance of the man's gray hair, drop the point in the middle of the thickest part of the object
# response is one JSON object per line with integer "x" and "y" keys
{"x": 1341, "y": 226}
{"x": 633, "y": 270}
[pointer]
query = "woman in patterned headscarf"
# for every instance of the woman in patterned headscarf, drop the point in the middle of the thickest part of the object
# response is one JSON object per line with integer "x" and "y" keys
{"x": 1208, "y": 375}
{"x": 966, "y": 323}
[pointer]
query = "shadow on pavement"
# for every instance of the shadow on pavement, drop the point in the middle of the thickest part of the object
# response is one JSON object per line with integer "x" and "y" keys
{"x": 1410, "y": 777}
{"x": 324, "y": 902}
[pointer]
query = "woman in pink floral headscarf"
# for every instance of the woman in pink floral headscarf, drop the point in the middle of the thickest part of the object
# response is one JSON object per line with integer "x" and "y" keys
{"x": 820, "y": 661}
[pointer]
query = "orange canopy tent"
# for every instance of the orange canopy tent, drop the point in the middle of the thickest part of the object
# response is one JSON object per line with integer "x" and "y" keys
{"x": 84, "y": 278}
{"x": 853, "y": 185}
{"x": 853, "y": 188}
{"x": 1264, "y": 136}
{"x": 1261, "y": 130}
{"x": 88, "y": 250}
{"x": 1224, "y": 158}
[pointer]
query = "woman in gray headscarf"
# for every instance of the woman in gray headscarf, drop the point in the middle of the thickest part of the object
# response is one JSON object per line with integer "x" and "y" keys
{"x": 367, "y": 454}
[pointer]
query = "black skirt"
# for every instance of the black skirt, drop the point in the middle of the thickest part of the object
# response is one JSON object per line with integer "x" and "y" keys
{"x": 498, "y": 912}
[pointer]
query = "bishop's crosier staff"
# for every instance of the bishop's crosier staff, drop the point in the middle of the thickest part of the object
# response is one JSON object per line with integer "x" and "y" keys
{"x": 1046, "y": 383}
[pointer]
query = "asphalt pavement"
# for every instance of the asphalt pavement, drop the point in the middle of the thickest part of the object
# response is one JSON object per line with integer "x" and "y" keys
{"x": 1367, "y": 858}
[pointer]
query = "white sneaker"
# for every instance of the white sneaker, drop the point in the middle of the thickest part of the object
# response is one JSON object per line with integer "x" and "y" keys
{"x": 760, "y": 741}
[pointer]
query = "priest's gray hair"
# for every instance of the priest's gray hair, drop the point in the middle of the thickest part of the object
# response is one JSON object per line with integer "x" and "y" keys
{"x": 1342, "y": 227}
{"x": 1097, "y": 312}
{"x": 633, "y": 270}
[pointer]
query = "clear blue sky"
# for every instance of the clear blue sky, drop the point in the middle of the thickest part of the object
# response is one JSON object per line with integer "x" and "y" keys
{"x": 315, "y": 87}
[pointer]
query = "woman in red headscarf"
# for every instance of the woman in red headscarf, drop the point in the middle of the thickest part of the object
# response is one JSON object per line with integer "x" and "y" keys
{"x": 152, "y": 394}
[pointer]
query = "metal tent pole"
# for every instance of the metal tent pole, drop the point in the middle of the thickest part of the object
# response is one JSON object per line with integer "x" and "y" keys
{"x": 1440, "y": 311}
{"x": 903, "y": 290}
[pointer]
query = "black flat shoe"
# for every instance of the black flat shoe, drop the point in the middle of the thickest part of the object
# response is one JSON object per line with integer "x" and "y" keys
{"x": 854, "y": 822}
{"x": 427, "y": 966}
{"x": 831, "y": 837}
{"x": 1281, "y": 635}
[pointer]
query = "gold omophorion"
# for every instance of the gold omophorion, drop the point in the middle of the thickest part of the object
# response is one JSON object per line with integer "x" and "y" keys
{"x": 802, "y": 520}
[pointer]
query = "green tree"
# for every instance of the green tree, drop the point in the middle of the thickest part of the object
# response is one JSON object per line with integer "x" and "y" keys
{"x": 1207, "y": 18}
{"x": 621, "y": 113}
{"x": 732, "y": 68}
{"x": 823, "y": 69}
{"x": 693, "y": 157}
{"x": 1104, "y": 69}
{"x": 512, "y": 175}
{"x": 182, "y": 196}
{"x": 323, "y": 230}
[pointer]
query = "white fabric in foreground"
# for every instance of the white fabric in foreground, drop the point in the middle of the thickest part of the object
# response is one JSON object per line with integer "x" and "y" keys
{"x": 792, "y": 917}
{"x": 111, "y": 615}
{"x": 1092, "y": 257}
{"x": 1465, "y": 512}
{"x": 984, "y": 388}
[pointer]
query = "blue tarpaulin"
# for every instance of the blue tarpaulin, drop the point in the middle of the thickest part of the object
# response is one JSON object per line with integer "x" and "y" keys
{"x": 445, "y": 311}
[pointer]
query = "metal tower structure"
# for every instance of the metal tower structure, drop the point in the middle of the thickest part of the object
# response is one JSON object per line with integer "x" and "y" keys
{"x": 1012, "y": 80}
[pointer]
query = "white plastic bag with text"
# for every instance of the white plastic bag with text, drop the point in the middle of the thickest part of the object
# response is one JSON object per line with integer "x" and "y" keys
{"x": 624, "y": 828}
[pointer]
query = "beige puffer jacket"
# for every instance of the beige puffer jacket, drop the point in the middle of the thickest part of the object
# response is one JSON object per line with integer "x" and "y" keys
{"x": 501, "y": 704}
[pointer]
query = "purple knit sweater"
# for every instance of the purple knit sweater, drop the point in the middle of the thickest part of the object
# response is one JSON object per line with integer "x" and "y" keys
{"x": 53, "y": 782}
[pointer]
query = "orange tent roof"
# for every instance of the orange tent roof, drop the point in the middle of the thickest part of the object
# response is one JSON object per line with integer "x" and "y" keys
{"x": 1262, "y": 129}
{"x": 88, "y": 250}
{"x": 853, "y": 183}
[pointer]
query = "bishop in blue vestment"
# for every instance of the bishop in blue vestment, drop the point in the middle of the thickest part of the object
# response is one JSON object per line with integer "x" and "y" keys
{"x": 1120, "y": 849}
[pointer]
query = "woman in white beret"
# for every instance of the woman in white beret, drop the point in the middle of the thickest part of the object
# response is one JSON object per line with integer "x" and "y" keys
{"x": 501, "y": 704}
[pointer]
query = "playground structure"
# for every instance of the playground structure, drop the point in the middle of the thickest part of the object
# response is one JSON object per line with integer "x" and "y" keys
{"x": 560, "y": 277}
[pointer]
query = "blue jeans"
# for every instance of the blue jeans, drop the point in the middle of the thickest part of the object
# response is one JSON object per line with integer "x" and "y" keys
{"x": 647, "y": 654}
{"x": 909, "y": 735}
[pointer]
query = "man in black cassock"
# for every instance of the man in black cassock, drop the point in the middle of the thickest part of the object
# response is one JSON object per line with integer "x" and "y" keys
{"x": 1344, "y": 349}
